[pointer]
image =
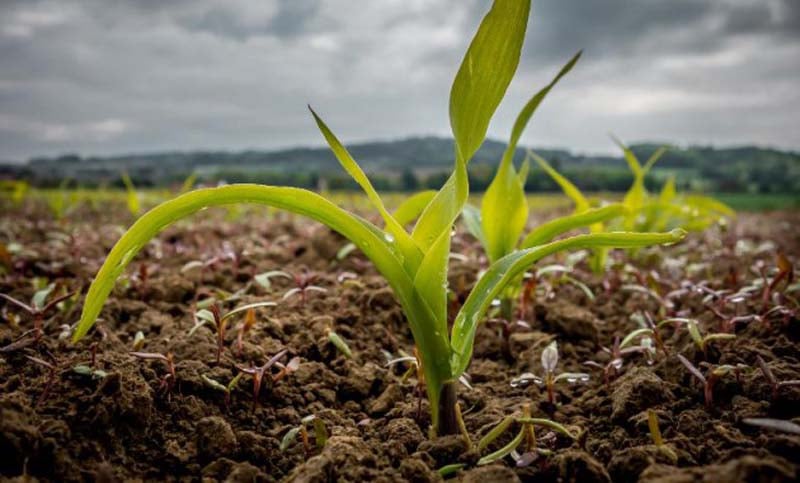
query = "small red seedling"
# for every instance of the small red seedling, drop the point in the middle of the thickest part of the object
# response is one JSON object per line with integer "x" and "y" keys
{"x": 38, "y": 309}
{"x": 774, "y": 383}
{"x": 785, "y": 272}
{"x": 51, "y": 378}
{"x": 304, "y": 283}
{"x": 702, "y": 341}
{"x": 169, "y": 379}
{"x": 227, "y": 390}
{"x": 616, "y": 354}
{"x": 258, "y": 374}
{"x": 713, "y": 374}
{"x": 245, "y": 326}
{"x": 219, "y": 321}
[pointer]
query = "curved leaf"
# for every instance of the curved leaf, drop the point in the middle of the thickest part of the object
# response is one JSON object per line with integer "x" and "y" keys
{"x": 551, "y": 229}
{"x": 507, "y": 268}
{"x": 569, "y": 189}
{"x": 411, "y": 252}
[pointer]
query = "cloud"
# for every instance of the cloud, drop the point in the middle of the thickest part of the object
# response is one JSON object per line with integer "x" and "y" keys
{"x": 109, "y": 76}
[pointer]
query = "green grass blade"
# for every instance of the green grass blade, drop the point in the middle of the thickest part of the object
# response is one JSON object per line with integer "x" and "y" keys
{"x": 545, "y": 232}
{"x": 508, "y": 268}
{"x": 569, "y": 189}
{"x": 413, "y": 206}
{"x": 411, "y": 252}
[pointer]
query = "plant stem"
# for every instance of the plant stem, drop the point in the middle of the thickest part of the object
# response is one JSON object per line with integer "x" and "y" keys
{"x": 448, "y": 416}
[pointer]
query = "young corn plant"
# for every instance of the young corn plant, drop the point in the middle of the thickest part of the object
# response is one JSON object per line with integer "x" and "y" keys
{"x": 503, "y": 215}
{"x": 413, "y": 263}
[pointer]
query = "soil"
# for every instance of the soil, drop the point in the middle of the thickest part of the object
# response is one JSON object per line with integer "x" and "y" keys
{"x": 121, "y": 425}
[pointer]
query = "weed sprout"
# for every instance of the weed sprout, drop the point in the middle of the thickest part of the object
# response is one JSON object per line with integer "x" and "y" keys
{"x": 225, "y": 389}
{"x": 219, "y": 321}
{"x": 773, "y": 381}
{"x": 258, "y": 374}
{"x": 169, "y": 379}
{"x": 320, "y": 434}
{"x": 39, "y": 307}
{"x": 550, "y": 378}
{"x": 713, "y": 374}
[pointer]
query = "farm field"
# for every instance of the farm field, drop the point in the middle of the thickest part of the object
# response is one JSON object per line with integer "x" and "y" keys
{"x": 96, "y": 410}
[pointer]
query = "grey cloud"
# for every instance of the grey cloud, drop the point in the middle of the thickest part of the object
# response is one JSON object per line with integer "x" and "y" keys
{"x": 105, "y": 76}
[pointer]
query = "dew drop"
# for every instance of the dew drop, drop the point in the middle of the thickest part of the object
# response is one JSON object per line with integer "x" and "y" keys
{"x": 388, "y": 237}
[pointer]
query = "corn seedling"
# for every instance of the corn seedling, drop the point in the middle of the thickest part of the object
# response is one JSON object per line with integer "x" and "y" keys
{"x": 773, "y": 381}
{"x": 220, "y": 321}
{"x": 39, "y": 307}
{"x": 169, "y": 379}
{"x": 225, "y": 389}
{"x": 713, "y": 374}
{"x": 501, "y": 220}
{"x": 320, "y": 434}
{"x": 525, "y": 439}
{"x": 131, "y": 197}
{"x": 414, "y": 264}
{"x": 258, "y": 374}
{"x": 550, "y": 378}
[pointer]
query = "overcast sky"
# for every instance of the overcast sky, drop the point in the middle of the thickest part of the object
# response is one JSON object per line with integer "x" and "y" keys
{"x": 116, "y": 76}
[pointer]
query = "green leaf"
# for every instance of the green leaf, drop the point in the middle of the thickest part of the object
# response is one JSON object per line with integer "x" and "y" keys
{"x": 247, "y": 307}
{"x": 368, "y": 237}
{"x": 485, "y": 73}
{"x": 553, "y": 228}
{"x": 431, "y": 281}
{"x": 409, "y": 249}
{"x": 471, "y": 216}
{"x": 569, "y": 189}
{"x": 504, "y": 451}
{"x": 413, "y": 206}
{"x": 479, "y": 86}
{"x": 504, "y": 210}
{"x": 500, "y": 273}
{"x": 340, "y": 344}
